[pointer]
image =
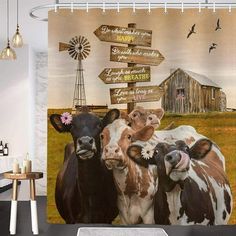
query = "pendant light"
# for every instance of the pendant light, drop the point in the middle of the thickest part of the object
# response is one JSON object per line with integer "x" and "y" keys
{"x": 17, "y": 40}
{"x": 8, "y": 53}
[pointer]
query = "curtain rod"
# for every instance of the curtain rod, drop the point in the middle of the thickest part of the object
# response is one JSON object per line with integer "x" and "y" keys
{"x": 132, "y": 5}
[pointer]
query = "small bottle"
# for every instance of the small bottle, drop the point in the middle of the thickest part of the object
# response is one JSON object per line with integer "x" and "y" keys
{"x": 1, "y": 146}
{"x": 5, "y": 150}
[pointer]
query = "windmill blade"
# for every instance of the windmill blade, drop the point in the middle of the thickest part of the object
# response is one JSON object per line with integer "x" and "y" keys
{"x": 76, "y": 56}
{"x": 87, "y": 49}
{"x": 81, "y": 39}
{"x": 71, "y": 49}
{"x": 87, "y": 46}
{"x": 74, "y": 41}
{"x": 63, "y": 46}
{"x": 86, "y": 42}
{"x": 86, "y": 53}
{"x": 83, "y": 55}
{"x": 72, "y": 54}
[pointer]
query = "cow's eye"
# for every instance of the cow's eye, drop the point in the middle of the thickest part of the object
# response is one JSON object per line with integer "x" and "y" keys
{"x": 186, "y": 148}
{"x": 102, "y": 136}
{"x": 150, "y": 118}
{"x": 134, "y": 115}
{"x": 99, "y": 127}
{"x": 129, "y": 137}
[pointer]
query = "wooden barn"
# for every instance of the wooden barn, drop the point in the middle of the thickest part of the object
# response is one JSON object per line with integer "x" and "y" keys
{"x": 189, "y": 92}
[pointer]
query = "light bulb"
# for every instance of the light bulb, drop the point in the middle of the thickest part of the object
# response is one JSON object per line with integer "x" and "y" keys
{"x": 17, "y": 40}
{"x": 8, "y": 53}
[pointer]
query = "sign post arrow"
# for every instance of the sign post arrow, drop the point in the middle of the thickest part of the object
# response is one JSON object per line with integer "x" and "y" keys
{"x": 125, "y": 75}
{"x": 126, "y": 35}
{"x": 136, "y": 55}
{"x": 136, "y": 94}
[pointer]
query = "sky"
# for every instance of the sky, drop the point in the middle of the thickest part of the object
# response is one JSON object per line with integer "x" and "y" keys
{"x": 169, "y": 33}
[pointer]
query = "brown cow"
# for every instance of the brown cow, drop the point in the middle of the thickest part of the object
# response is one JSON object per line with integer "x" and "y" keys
{"x": 141, "y": 117}
{"x": 136, "y": 185}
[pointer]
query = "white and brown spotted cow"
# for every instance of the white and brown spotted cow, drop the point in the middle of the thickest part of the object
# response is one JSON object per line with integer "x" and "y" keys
{"x": 192, "y": 183}
{"x": 136, "y": 185}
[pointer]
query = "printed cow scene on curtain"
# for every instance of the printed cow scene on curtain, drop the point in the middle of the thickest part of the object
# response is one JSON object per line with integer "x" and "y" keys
{"x": 142, "y": 117}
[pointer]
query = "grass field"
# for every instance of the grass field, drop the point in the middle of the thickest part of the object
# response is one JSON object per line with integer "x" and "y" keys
{"x": 219, "y": 127}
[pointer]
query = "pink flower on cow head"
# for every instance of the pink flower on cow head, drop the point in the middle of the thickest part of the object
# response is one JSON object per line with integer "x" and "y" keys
{"x": 66, "y": 118}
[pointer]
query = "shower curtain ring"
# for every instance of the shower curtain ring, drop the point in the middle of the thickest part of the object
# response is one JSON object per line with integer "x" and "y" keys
{"x": 149, "y": 7}
{"x": 118, "y": 7}
{"x": 103, "y": 7}
{"x": 55, "y": 8}
{"x": 182, "y": 7}
{"x": 134, "y": 9}
{"x": 165, "y": 7}
{"x": 230, "y": 7}
{"x": 87, "y": 7}
{"x": 72, "y": 7}
{"x": 214, "y": 7}
{"x": 199, "y": 7}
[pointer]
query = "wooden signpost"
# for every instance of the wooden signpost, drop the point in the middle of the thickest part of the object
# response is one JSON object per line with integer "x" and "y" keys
{"x": 136, "y": 55}
{"x": 125, "y": 75}
{"x": 130, "y": 35}
{"x": 135, "y": 94}
{"x": 130, "y": 106}
{"x": 132, "y": 56}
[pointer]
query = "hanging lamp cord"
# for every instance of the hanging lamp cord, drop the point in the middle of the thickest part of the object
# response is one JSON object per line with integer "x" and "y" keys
{"x": 17, "y": 12}
{"x": 8, "y": 20}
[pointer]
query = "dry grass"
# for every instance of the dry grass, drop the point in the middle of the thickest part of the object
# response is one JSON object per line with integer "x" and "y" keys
{"x": 219, "y": 127}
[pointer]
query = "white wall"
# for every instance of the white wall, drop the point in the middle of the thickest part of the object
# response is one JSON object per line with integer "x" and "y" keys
{"x": 14, "y": 103}
{"x": 17, "y": 108}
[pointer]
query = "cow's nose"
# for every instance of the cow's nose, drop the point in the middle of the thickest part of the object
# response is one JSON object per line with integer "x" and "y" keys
{"x": 173, "y": 158}
{"x": 85, "y": 142}
{"x": 112, "y": 150}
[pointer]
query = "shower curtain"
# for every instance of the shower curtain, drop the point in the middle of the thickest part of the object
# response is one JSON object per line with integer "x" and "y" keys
{"x": 181, "y": 62}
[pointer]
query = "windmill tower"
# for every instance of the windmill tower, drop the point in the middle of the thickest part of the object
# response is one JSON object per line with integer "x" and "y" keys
{"x": 78, "y": 48}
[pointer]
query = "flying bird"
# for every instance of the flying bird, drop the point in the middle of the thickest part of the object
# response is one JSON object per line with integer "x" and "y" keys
{"x": 191, "y": 31}
{"x": 218, "y": 25}
{"x": 212, "y": 46}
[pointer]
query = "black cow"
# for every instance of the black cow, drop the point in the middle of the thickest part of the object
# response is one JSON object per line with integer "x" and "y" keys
{"x": 85, "y": 192}
{"x": 192, "y": 184}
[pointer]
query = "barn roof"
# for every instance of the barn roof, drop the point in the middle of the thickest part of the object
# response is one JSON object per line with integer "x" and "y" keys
{"x": 201, "y": 79}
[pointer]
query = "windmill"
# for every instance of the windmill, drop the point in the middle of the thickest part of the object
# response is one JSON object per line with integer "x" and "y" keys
{"x": 78, "y": 48}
